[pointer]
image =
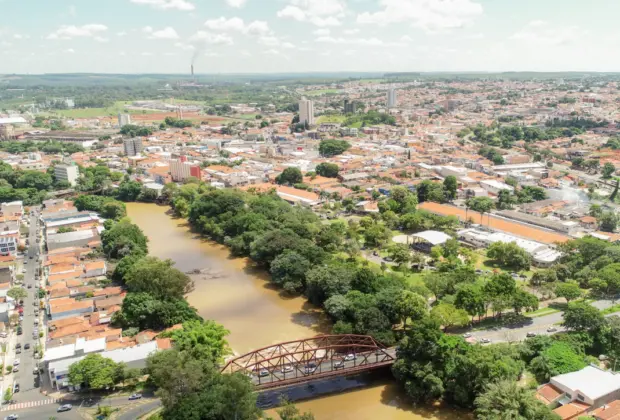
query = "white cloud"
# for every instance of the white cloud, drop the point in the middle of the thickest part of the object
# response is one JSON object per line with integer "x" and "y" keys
{"x": 236, "y": 3}
{"x": 101, "y": 39}
{"x": 167, "y": 4}
{"x": 350, "y": 31}
{"x": 539, "y": 32}
{"x": 318, "y": 12}
{"x": 479, "y": 35}
{"x": 147, "y": 29}
{"x": 166, "y": 33}
{"x": 288, "y": 45}
{"x": 321, "y": 32}
{"x": 184, "y": 47}
{"x": 72, "y": 11}
{"x": 246, "y": 53}
{"x": 70, "y": 31}
{"x": 121, "y": 33}
{"x": 235, "y": 24}
{"x": 211, "y": 38}
{"x": 147, "y": 54}
{"x": 6, "y": 44}
{"x": 430, "y": 15}
{"x": 406, "y": 38}
{"x": 17, "y": 36}
{"x": 69, "y": 51}
{"x": 371, "y": 42}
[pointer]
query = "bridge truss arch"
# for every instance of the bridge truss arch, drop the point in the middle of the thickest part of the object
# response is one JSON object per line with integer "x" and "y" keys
{"x": 311, "y": 358}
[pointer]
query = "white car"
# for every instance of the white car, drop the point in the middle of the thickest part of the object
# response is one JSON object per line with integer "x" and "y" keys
{"x": 466, "y": 335}
{"x": 286, "y": 369}
{"x": 350, "y": 357}
{"x": 16, "y": 362}
{"x": 485, "y": 340}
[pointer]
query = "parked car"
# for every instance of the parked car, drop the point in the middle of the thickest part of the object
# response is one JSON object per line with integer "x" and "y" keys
{"x": 16, "y": 362}
{"x": 16, "y": 369}
{"x": 26, "y": 346}
{"x": 18, "y": 351}
{"x": 3, "y": 334}
{"x": 552, "y": 329}
{"x": 135, "y": 396}
{"x": 466, "y": 335}
{"x": 11, "y": 417}
{"x": 15, "y": 388}
{"x": 530, "y": 334}
{"x": 485, "y": 340}
{"x": 65, "y": 407}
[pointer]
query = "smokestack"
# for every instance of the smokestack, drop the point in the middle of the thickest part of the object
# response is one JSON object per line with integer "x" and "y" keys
{"x": 192, "y": 70}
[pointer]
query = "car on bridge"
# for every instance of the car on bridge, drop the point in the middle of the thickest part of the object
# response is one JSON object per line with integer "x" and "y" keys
{"x": 339, "y": 364}
{"x": 310, "y": 368}
{"x": 286, "y": 369}
{"x": 350, "y": 357}
{"x": 263, "y": 372}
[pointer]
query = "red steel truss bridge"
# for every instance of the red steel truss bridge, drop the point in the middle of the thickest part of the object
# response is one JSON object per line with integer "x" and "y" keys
{"x": 313, "y": 358}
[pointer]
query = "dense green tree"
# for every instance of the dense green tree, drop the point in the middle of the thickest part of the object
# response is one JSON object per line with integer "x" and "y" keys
{"x": 17, "y": 293}
{"x": 450, "y": 316}
{"x": 471, "y": 298}
{"x": 123, "y": 238}
{"x": 204, "y": 340}
{"x": 509, "y": 400}
{"x": 430, "y": 191}
{"x": 523, "y": 300}
{"x": 34, "y": 179}
{"x": 450, "y": 185}
{"x": 608, "y": 221}
{"x": 480, "y": 204}
{"x": 329, "y": 170}
{"x": 290, "y": 176}
{"x": 400, "y": 253}
{"x": 412, "y": 306}
{"x": 113, "y": 210}
{"x": 328, "y": 148}
{"x": 323, "y": 282}
{"x": 143, "y": 311}
{"x": 555, "y": 360}
{"x": 510, "y": 255}
{"x": 289, "y": 269}
{"x": 608, "y": 170}
{"x": 158, "y": 278}
{"x": 581, "y": 316}
{"x": 129, "y": 190}
{"x": 95, "y": 372}
{"x": 505, "y": 200}
{"x": 568, "y": 291}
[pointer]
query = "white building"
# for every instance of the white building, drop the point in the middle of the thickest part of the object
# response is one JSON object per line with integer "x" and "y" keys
{"x": 542, "y": 255}
{"x": 133, "y": 146}
{"x": 69, "y": 173}
{"x": 124, "y": 119}
{"x": 591, "y": 385}
{"x": 391, "y": 98}
{"x": 306, "y": 111}
{"x": 494, "y": 187}
{"x": 8, "y": 243}
{"x": 14, "y": 208}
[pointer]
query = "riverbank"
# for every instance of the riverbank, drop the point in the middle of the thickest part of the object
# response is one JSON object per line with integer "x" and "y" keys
{"x": 235, "y": 294}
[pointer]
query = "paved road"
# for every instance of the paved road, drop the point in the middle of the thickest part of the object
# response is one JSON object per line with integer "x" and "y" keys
{"x": 538, "y": 325}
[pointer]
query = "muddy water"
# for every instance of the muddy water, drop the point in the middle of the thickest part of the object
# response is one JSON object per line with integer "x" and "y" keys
{"x": 230, "y": 291}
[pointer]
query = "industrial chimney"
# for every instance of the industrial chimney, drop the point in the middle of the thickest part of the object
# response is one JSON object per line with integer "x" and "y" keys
{"x": 192, "y": 70}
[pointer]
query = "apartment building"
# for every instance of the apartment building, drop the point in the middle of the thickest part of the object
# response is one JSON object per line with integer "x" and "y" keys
{"x": 133, "y": 146}
{"x": 68, "y": 173}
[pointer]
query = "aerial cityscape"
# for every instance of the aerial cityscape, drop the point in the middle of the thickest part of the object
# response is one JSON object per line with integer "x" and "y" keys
{"x": 298, "y": 210}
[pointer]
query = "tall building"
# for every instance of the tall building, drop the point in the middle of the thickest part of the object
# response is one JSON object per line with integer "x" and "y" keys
{"x": 69, "y": 173}
{"x": 349, "y": 107}
{"x": 391, "y": 98}
{"x": 124, "y": 119}
{"x": 306, "y": 111}
{"x": 180, "y": 169}
{"x": 133, "y": 146}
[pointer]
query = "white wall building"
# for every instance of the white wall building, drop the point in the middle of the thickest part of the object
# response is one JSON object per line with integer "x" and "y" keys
{"x": 494, "y": 187}
{"x": 306, "y": 111}
{"x": 542, "y": 255}
{"x": 69, "y": 173}
{"x": 124, "y": 119}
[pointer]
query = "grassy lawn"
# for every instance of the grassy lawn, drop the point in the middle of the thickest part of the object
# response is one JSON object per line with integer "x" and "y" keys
{"x": 113, "y": 110}
{"x": 541, "y": 312}
{"x": 611, "y": 309}
{"x": 357, "y": 124}
{"x": 330, "y": 119}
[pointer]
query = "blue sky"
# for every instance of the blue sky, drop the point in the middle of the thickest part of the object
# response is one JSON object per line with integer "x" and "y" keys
{"x": 241, "y": 36}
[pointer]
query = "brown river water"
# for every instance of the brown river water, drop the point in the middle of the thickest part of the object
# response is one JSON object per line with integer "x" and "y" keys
{"x": 235, "y": 294}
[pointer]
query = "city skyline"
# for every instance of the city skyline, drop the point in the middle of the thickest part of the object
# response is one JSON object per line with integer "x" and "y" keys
{"x": 251, "y": 36}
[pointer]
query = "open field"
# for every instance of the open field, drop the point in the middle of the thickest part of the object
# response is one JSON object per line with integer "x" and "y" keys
{"x": 330, "y": 119}
{"x": 113, "y": 110}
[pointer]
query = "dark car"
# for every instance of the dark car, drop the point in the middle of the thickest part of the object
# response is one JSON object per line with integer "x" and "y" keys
{"x": 16, "y": 388}
{"x": 135, "y": 396}
{"x": 18, "y": 351}
{"x": 19, "y": 331}
{"x": 26, "y": 346}
{"x": 18, "y": 345}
